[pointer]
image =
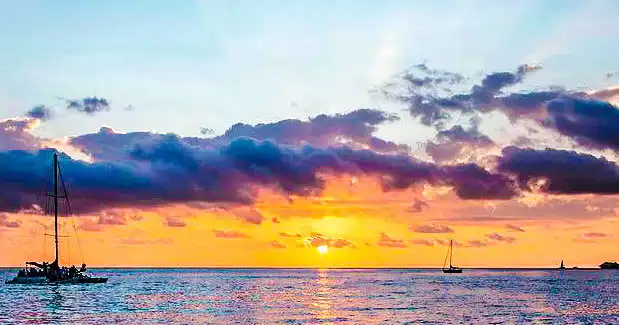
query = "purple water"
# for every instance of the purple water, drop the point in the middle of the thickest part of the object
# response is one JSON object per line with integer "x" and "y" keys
{"x": 249, "y": 296}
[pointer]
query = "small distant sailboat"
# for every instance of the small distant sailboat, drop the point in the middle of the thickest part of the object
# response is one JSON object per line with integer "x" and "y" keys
{"x": 562, "y": 267}
{"x": 451, "y": 269}
{"x": 53, "y": 273}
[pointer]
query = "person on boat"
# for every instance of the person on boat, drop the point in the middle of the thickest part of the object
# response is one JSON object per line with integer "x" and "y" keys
{"x": 72, "y": 271}
{"x": 83, "y": 268}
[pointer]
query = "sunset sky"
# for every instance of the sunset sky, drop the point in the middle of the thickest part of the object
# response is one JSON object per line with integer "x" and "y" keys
{"x": 240, "y": 133}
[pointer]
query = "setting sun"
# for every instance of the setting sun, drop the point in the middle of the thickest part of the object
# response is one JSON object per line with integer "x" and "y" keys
{"x": 323, "y": 249}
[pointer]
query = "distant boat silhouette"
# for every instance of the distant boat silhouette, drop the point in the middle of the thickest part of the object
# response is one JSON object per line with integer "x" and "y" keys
{"x": 451, "y": 269}
{"x": 610, "y": 266}
{"x": 52, "y": 273}
{"x": 562, "y": 267}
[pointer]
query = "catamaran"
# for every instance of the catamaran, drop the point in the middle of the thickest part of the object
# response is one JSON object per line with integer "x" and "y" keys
{"x": 451, "y": 269}
{"x": 53, "y": 273}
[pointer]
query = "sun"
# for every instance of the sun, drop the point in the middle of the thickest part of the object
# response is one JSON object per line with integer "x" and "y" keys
{"x": 322, "y": 249}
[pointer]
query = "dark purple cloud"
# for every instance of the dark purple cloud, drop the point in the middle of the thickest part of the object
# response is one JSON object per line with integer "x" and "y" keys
{"x": 452, "y": 143}
{"x": 40, "y": 112}
{"x": 323, "y": 130}
{"x": 585, "y": 117}
{"x": 88, "y": 105}
{"x": 431, "y": 229}
{"x": 563, "y": 172}
{"x": 354, "y": 129}
{"x": 590, "y": 122}
{"x": 472, "y": 182}
{"x": 168, "y": 170}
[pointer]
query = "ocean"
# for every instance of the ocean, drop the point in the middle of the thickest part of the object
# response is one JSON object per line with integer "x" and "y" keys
{"x": 319, "y": 296}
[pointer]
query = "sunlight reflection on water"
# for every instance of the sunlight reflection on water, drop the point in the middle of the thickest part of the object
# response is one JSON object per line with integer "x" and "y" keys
{"x": 319, "y": 297}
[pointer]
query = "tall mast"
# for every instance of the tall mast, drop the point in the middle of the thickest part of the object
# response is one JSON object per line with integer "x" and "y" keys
{"x": 451, "y": 250}
{"x": 56, "y": 204}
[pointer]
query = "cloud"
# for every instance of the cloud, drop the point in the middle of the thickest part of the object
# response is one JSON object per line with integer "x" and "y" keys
{"x": 89, "y": 225}
{"x": 550, "y": 208}
{"x": 477, "y": 243}
{"x": 430, "y": 77}
{"x": 174, "y": 222}
{"x": 206, "y": 131}
{"x": 88, "y": 105}
{"x": 560, "y": 171}
{"x": 422, "y": 242}
{"x": 457, "y": 142}
{"x": 5, "y": 222}
{"x": 112, "y": 218}
{"x": 40, "y": 112}
{"x": 276, "y": 244}
{"x": 585, "y": 117}
{"x": 430, "y": 229}
{"x": 514, "y": 228}
{"x": 446, "y": 242}
{"x": 167, "y": 169}
{"x": 472, "y": 182}
{"x": 15, "y": 134}
{"x": 418, "y": 206}
{"x": 596, "y": 235}
{"x": 353, "y": 128}
{"x": 387, "y": 241}
{"x": 289, "y": 235}
{"x": 498, "y": 237}
{"x": 318, "y": 239}
{"x": 249, "y": 215}
{"x": 230, "y": 234}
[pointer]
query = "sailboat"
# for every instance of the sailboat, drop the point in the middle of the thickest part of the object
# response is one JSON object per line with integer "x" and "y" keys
{"x": 562, "y": 267}
{"x": 53, "y": 273}
{"x": 451, "y": 269}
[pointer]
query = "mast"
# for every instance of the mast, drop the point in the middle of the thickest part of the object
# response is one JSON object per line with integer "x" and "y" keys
{"x": 56, "y": 205}
{"x": 451, "y": 249}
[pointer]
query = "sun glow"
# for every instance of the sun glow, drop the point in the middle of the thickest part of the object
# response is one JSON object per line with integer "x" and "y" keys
{"x": 323, "y": 249}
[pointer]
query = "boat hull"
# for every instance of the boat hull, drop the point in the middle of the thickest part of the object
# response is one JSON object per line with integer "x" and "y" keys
{"x": 452, "y": 271}
{"x": 27, "y": 280}
{"x": 43, "y": 280}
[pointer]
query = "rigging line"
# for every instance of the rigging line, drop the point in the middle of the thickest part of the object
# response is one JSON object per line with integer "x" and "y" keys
{"x": 445, "y": 262}
{"x": 70, "y": 213}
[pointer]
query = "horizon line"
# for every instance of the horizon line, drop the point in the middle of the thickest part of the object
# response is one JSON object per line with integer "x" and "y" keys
{"x": 320, "y": 268}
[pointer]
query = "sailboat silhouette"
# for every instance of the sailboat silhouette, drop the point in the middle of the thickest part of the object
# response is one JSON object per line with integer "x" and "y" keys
{"x": 451, "y": 269}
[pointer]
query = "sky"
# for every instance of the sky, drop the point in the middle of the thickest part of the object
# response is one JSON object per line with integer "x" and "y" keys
{"x": 242, "y": 133}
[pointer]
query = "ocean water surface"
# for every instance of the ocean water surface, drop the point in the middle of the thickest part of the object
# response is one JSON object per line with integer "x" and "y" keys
{"x": 288, "y": 296}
